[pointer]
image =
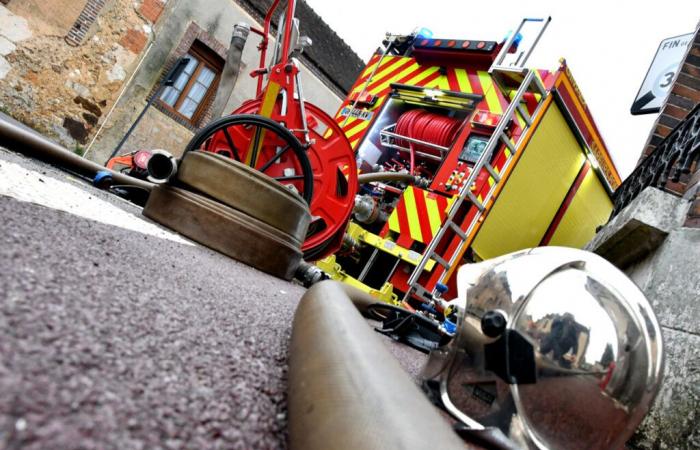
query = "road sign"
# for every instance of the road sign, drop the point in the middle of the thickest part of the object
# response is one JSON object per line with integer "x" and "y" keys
{"x": 661, "y": 73}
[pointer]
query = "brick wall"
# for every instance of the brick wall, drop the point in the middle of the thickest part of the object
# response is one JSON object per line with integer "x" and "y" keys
{"x": 152, "y": 9}
{"x": 85, "y": 20}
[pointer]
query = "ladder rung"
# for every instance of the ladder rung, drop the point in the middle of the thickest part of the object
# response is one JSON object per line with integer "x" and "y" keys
{"x": 458, "y": 231}
{"x": 422, "y": 292}
{"x": 540, "y": 86}
{"x": 496, "y": 177}
{"x": 506, "y": 140}
{"x": 475, "y": 201}
{"x": 524, "y": 114}
{"x": 440, "y": 260}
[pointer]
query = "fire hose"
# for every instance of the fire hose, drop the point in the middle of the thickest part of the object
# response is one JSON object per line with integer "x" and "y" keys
{"x": 29, "y": 143}
{"x": 346, "y": 391}
{"x": 428, "y": 127}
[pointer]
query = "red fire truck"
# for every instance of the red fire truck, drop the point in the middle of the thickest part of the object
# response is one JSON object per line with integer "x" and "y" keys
{"x": 465, "y": 154}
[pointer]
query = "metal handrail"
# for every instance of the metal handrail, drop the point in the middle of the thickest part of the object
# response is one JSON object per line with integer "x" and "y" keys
{"x": 384, "y": 132}
{"x": 509, "y": 43}
{"x": 671, "y": 159}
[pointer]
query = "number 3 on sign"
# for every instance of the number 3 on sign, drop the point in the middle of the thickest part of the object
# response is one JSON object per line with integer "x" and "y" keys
{"x": 669, "y": 79}
{"x": 664, "y": 81}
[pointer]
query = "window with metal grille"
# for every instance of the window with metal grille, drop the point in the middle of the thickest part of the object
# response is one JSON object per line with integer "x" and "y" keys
{"x": 191, "y": 93}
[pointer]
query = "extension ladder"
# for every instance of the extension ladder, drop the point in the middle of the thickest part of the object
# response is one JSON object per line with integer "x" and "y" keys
{"x": 507, "y": 78}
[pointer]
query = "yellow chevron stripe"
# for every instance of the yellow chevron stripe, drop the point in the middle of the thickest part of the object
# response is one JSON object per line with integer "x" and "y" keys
{"x": 357, "y": 129}
{"x": 490, "y": 92}
{"x": 390, "y": 64}
{"x": 463, "y": 80}
{"x": 394, "y": 221}
{"x": 350, "y": 120}
{"x": 441, "y": 83}
{"x": 409, "y": 200}
{"x": 403, "y": 73}
{"x": 433, "y": 214}
{"x": 368, "y": 70}
{"x": 422, "y": 76}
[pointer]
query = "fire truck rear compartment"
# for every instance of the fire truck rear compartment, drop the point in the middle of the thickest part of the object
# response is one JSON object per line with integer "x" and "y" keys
{"x": 381, "y": 147}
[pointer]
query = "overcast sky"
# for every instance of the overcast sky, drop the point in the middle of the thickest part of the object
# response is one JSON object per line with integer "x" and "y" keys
{"x": 608, "y": 44}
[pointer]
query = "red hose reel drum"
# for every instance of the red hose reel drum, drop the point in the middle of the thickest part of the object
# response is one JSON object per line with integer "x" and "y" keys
{"x": 334, "y": 173}
{"x": 429, "y": 127}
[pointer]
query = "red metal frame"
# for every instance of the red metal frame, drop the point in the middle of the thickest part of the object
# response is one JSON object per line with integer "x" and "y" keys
{"x": 330, "y": 154}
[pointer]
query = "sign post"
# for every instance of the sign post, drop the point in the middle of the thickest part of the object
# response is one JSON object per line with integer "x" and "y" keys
{"x": 661, "y": 74}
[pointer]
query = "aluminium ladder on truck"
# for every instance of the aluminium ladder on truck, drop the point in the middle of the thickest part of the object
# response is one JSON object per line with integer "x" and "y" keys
{"x": 508, "y": 77}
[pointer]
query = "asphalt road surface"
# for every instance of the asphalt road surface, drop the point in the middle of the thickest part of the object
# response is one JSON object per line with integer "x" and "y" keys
{"x": 116, "y": 334}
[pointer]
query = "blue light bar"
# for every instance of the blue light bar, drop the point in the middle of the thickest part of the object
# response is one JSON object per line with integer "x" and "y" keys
{"x": 424, "y": 33}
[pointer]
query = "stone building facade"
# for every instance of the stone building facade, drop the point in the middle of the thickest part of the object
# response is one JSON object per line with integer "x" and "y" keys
{"x": 654, "y": 236}
{"x": 80, "y": 72}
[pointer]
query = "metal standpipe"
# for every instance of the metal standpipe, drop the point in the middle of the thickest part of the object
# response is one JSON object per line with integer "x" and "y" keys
{"x": 23, "y": 141}
{"x": 386, "y": 176}
{"x": 346, "y": 391}
{"x": 232, "y": 68}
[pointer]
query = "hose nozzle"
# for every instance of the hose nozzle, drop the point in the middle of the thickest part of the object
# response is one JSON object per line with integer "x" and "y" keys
{"x": 161, "y": 167}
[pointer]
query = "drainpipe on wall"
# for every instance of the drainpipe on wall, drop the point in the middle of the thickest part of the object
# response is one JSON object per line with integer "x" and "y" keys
{"x": 127, "y": 85}
{"x": 116, "y": 102}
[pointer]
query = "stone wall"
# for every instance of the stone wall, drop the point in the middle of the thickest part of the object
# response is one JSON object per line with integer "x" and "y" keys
{"x": 80, "y": 72}
{"x": 59, "y": 89}
{"x": 648, "y": 240}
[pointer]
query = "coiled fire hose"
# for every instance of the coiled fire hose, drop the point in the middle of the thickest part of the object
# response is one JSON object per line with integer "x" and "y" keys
{"x": 428, "y": 127}
{"x": 346, "y": 391}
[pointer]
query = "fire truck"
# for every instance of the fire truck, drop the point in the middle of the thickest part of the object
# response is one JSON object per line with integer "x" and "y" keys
{"x": 465, "y": 154}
